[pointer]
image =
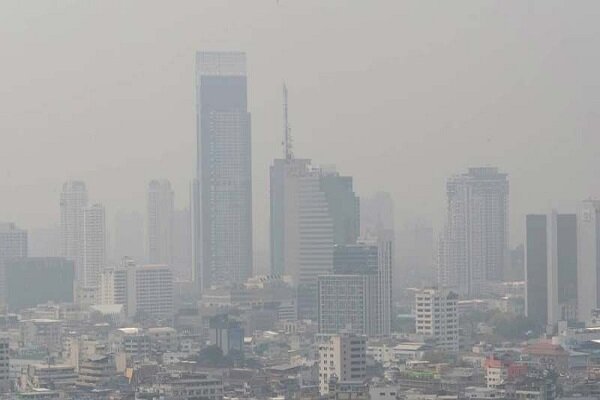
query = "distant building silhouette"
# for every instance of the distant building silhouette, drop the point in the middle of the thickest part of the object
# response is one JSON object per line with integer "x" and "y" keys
{"x": 159, "y": 219}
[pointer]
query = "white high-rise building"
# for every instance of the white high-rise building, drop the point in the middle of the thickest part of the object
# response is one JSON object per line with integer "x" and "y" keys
{"x": 160, "y": 222}
{"x": 436, "y": 313}
{"x": 385, "y": 265}
{"x": 342, "y": 357}
{"x": 73, "y": 200}
{"x": 94, "y": 245}
{"x": 474, "y": 245}
{"x": 588, "y": 259}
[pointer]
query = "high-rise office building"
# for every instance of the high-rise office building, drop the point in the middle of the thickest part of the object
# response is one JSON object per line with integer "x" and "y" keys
{"x": 160, "y": 222}
{"x": 588, "y": 259}
{"x": 73, "y": 200}
{"x": 357, "y": 297}
{"x": 436, "y": 312}
{"x": 94, "y": 245}
{"x": 551, "y": 268}
{"x": 13, "y": 245}
{"x": 302, "y": 232}
{"x": 312, "y": 209}
{"x": 342, "y": 358}
{"x": 474, "y": 245}
{"x": 224, "y": 170}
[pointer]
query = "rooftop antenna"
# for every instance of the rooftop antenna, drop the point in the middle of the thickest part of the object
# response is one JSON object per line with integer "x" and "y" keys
{"x": 287, "y": 131}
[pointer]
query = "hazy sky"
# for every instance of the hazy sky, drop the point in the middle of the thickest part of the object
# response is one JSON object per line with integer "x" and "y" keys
{"x": 398, "y": 94}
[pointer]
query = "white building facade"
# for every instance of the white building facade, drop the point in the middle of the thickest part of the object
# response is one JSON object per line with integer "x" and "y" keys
{"x": 436, "y": 314}
{"x": 474, "y": 246}
{"x": 343, "y": 356}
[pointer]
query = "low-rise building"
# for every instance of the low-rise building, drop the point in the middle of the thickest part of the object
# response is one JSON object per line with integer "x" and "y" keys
{"x": 96, "y": 371}
{"x": 182, "y": 386}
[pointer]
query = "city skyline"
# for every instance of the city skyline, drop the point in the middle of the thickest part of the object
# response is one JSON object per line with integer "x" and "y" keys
{"x": 415, "y": 216}
{"x": 490, "y": 137}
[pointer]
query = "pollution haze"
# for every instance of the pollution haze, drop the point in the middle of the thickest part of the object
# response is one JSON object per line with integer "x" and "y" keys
{"x": 398, "y": 94}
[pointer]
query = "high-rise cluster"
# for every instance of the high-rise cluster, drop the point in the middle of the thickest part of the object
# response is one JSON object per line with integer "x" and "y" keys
{"x": 342, "y": 283}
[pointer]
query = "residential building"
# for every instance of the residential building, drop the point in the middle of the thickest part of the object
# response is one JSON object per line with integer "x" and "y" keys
{"x": 224, "y": 170}
{"x": 73, "y": 200}
{"x": 437, "y": 318}
{"x": 474, "y": 246}
{"x": 159, "y": 220}
{"x": 342, "y": 358}
{"x": 588, "y": 259}
{"x": 551, "y": 268}
{"x": 37, "y": 280}
{"x": 94, "y": 245}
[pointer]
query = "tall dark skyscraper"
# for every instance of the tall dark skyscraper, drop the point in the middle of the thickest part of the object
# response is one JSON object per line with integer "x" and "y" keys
{"x": 551, "y": 268}
{"x": 223, "y": 252}
{"x": 536, "y": 261}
